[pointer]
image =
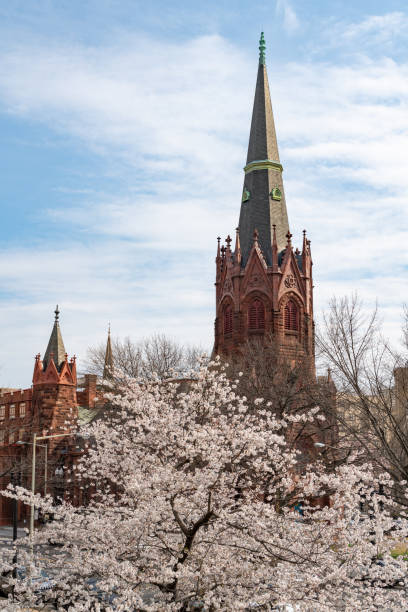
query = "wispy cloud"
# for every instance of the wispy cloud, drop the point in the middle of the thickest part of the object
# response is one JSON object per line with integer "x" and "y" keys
{"x": 173, "y": 121}
{"x": 377, "y": 35}
{"x": 290, "y": 20}
{"x": 381, "y": 28}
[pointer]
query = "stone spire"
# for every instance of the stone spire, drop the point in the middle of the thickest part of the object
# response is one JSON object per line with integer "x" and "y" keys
{"x": 55, "y": 349}
{"x": 263, "y": 200}
{"x": 108, "y": 366}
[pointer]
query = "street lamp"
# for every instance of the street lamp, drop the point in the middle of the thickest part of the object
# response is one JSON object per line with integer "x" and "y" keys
{"x": 45, "y": 460}
{"x": 34, "y": 443}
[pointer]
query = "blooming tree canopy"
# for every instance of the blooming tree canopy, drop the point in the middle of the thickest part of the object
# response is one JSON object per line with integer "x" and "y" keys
{"x": 191, "y": 496}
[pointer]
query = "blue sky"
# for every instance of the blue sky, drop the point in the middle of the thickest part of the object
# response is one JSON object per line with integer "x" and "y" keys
{"x": 124, "y": 131}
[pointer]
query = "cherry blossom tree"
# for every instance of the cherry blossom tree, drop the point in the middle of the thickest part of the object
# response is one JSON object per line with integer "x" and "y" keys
{"x": 192, "y": 493}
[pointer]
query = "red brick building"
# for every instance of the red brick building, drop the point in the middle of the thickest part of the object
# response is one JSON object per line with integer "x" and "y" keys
{"x": 54, "y": 404}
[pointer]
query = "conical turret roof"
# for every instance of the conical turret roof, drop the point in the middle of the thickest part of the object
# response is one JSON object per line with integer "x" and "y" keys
{"x": 55, "y": 349}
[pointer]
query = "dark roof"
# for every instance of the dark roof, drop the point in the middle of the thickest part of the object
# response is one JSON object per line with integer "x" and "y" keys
{"x": 108, "y": 365}
{"x": 55, "y": 345}
{"x": 263, "y": 173}
{"x": 262, "y": 140}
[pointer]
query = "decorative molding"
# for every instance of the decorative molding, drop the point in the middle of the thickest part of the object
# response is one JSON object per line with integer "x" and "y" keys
{"x": 254, "y": 281}
{"x": 263, "y": 164}
{"x": 276, "y": 194}
{"x": 228, "y": 286}
{"x": 246, "y": 194}
{"x": 290, "y": 282}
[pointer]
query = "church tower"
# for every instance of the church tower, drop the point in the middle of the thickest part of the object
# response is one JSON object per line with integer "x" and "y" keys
{"x": 264, "y": 287}
{"x": 54, "y": 399}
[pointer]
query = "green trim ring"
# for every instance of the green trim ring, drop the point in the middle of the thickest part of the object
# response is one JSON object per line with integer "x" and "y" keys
{"x": 263, "y": 164}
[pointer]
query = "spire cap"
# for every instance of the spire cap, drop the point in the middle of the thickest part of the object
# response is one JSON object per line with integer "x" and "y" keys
{"x": 262, "y": 47}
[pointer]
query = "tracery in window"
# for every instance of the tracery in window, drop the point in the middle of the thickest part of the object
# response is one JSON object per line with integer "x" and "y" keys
{"x": 291, "y": 316}
{"x": 228, "y": 320}
{"x": 256, "y": 315}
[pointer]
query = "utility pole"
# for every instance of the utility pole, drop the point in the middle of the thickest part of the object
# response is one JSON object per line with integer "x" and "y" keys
{"x": 15, "y": 480}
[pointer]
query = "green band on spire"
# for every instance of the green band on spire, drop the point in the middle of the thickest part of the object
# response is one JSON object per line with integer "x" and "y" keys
{"x": 262, "y": 49}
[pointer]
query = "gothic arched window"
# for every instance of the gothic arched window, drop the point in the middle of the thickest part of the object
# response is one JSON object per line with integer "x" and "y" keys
{"x": 256, "y": 315}
{"x": 228, "y": 320}
{"x": 291, "y": 316}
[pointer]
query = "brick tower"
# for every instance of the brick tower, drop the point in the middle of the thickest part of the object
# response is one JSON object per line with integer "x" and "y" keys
{"x": 264, "y": 287}
{"x": 54, "y": 399}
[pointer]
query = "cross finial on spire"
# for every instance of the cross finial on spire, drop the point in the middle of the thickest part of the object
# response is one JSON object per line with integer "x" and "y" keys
{"x": 262, "y": 49}
{"x": 57, "y": 312}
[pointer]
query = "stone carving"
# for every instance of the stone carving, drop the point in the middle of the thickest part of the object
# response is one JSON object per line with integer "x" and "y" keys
{"x": 254, "y": 281}
{"x": 290, "y": 282}
{"x": 228, "y": 286}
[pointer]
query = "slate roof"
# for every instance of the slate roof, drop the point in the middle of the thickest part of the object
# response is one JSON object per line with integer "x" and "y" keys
{"x": 260, "y": 211}
{"x": 108, "y": 365}
{"x": 55, "y": 345}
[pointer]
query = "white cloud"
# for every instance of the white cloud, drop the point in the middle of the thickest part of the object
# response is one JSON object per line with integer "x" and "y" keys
{"x": 290, "y": 20}
{"x": 176, "y": 118}
{"x": 381, "y": 28}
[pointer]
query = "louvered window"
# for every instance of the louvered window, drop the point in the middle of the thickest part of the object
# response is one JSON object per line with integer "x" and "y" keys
{"x": 256, "y": 315}
{"x": 291, "y": 316}
{"x": 228, "y": 320}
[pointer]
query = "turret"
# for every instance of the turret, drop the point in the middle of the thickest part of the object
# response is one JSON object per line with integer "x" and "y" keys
{"x": 54, "y": 403}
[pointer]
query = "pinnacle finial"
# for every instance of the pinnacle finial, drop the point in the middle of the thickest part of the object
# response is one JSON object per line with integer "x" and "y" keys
{"x": 262, "y": 47}
{"x": 57, "y": 313}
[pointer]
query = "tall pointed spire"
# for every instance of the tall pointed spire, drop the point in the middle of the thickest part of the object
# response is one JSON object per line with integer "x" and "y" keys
{"x": 108, "y": 366}
{"x": 263, "y": 201}
{"x": 55, "y": 349}
{"x": 263, "y": 144}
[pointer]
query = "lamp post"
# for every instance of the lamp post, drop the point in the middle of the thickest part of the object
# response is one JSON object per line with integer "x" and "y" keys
{"x": 45, "y": 447}
{"x": 34, "y": 444}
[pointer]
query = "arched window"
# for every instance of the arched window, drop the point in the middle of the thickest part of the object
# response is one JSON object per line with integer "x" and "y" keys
{"x": 256, "y": 315}
{"x": 228, "y": 320}
{"x": 291, "y": 316}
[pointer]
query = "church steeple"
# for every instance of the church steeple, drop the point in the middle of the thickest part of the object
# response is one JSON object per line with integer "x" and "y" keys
{"x": 108, "y": 365}
{"x": 264, "y": 288}
{"x": 55, "y": 349}
{"x": 263, "y": 201}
